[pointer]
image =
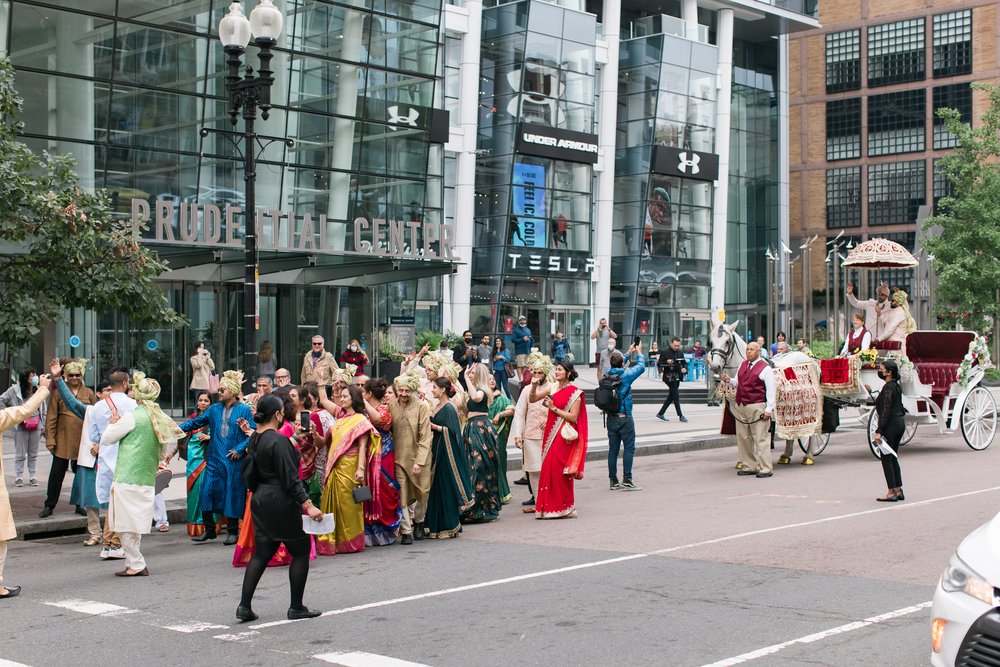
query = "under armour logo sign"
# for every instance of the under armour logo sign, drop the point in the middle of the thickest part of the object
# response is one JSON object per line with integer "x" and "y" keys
{"x": 397, "y": 119}
{"x": 689, "y": 165}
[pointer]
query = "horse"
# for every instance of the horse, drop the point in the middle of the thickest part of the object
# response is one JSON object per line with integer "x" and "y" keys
{"x": 727, "y": 350}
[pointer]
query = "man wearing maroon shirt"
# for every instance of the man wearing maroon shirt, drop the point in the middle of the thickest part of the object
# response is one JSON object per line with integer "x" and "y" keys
{"x": 754, "y": 405}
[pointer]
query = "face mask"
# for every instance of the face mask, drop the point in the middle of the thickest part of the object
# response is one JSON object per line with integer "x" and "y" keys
{"x": 34, "y": 380}
{"x": 881, "y": 375}
{"x": 354, "y": 348}
{"x": 468, "y": 340}
{"x": 611, "y": 346}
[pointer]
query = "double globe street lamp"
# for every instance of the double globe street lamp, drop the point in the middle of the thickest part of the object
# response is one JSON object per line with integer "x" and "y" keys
{"x": 247, "y": 94}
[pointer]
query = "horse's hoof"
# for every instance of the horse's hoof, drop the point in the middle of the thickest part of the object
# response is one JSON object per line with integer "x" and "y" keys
{"x": 739, "y": 465}
{"x": 784, "y": 460}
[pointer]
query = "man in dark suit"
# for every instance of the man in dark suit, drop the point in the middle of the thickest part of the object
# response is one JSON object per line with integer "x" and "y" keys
{"x": 673, "y": 367}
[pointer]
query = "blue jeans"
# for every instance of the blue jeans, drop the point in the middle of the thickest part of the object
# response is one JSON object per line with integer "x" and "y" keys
{"x": 501, "y": 380}
{"x": 621, "y": 430}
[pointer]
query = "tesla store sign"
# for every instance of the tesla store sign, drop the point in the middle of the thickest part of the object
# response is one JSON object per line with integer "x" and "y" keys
{"x": 565, "y": 266}
{"x": 671, "y": 161}
{"x": 211, "y": 226}
{"x": 558, "y": 144}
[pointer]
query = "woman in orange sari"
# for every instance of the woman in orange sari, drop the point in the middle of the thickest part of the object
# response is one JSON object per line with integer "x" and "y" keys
{"x": 350, "y": 441}
{"x": 564, "y": 445}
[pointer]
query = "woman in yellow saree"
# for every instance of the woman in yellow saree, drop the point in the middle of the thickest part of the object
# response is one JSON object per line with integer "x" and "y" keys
{"x": 350, "y": 440}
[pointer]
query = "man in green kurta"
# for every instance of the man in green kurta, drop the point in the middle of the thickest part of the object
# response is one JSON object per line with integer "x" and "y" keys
{"x": 145, "y": 437}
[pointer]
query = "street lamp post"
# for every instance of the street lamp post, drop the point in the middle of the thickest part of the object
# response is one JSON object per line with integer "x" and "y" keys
{"x": 248, "y": 94}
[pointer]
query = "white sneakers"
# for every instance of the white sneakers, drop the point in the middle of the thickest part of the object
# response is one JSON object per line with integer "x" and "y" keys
{"x": 112, "y": 554}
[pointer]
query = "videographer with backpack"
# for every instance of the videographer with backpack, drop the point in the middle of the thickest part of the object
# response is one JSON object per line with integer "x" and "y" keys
{"x": 614, "y": 397}
{"x": 673, "y": 367}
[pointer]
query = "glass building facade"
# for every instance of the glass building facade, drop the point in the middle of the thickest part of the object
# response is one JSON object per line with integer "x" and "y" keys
{"x": 126, "y": 86}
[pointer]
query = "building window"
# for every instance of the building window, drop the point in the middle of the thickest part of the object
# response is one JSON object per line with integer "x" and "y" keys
{"x": 957, "y": 96}
{"x": 896, "y": 122}
{"x": 843, "y": 197}
{"x": 843, "y": 61}
{"x": 896, "y": 190}
{"x": 843, "y": 129}
{"x": 942, "y": 186}
{"x": 953, "y": 43}
{"x": 896, "y": 52}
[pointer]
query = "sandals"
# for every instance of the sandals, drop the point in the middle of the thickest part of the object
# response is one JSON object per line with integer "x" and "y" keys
{"x": 888, "y": 498}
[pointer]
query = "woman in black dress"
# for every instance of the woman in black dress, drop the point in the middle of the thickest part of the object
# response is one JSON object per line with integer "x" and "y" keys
{"x": 278, "y": 502}
{"x": 891, "y": 425}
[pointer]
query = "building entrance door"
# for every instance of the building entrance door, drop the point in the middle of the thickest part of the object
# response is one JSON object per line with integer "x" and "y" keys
{"x": 574, "y": 323}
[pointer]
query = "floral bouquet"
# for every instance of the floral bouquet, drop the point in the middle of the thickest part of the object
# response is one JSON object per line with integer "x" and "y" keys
{"x": 869, "y": 356}
{"x": 979, "y": 355}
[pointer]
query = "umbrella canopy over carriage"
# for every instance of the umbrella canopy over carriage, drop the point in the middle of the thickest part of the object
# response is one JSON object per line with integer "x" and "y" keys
{"x": 880, "y": 254}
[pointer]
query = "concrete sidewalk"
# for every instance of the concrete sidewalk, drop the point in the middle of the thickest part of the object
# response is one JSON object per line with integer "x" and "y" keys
{"x": 652, "y": 437}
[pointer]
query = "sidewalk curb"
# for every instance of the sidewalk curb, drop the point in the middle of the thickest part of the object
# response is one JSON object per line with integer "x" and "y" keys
{"x": 33, "y": 529}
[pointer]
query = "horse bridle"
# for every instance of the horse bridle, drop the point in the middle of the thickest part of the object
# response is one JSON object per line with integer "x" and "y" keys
{"x": 733, "y": 347}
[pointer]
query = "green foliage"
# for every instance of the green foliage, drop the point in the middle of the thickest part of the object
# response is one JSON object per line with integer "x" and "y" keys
{"x": 964, "y": 237}
{"x": 993, "y": 374}
{"x": 389, "y": 347}
{"x": 60, "y": 246}
{"x": 432, "y": 339}
{"x": 822, "y": 349}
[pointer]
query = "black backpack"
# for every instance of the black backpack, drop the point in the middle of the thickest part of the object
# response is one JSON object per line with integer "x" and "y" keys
{"x": 606, "y": 396}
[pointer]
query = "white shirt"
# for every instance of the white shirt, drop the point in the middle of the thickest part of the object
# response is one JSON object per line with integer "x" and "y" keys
{"x": 770, "y": 388}
{"x": 866, "y": 342}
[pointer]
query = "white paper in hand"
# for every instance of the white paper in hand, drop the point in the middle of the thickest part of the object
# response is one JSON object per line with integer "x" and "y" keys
{"x": 885, "y": 449}
{"x": 324, "y": 527}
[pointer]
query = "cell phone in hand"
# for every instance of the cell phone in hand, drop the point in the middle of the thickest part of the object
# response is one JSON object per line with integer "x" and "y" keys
{"x": 304, "y": 420}
{"x": 637, "y": 341}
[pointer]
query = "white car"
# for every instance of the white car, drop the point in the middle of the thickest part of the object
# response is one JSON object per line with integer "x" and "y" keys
{"x": 965, "y": 619}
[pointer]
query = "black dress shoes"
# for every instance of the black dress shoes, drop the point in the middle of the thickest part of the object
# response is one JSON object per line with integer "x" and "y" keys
{"x": 523, "y": 480}
{"x": 763, "y": 475}
{"x": 45, "y": 513}
{"x": 406, "y": 538}
{"x": 246, "y": 614}
{"x": 81, "y": 511}
{"x": 12, "y": 592}
{"x": 746, "y": 472}
{"x": 299, "y": 614}
{"x": 231, "y": 539}
{"x": 418, "y": 531}
{"x": 204, "y": 537}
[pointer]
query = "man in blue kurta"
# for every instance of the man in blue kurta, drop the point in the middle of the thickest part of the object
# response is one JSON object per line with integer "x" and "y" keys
{"x": 223, "y": 491}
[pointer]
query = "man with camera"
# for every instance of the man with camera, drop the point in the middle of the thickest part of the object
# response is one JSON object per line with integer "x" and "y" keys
{"x": 673, "y": 368}
{"x": 603, "y": 335}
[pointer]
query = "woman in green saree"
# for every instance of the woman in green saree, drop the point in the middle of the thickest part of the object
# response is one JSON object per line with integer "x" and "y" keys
{"x": 501, "y": 414}
{"x": 451, "y": 490}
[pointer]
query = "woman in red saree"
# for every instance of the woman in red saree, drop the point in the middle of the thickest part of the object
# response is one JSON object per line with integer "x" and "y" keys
{"x": 564, "y": 445}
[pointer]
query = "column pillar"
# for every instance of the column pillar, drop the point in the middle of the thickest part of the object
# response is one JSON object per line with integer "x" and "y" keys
{"x": 604, "y": 202}
{"x": 723, "y": 110}
{"x": 689, "y": 12}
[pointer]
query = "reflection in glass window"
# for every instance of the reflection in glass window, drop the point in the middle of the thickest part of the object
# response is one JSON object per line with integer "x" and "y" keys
{"x": 958, "y": 97}
{"x": 843, "y": 197}
{"x": 896, "y": 190}
{"x": 896, "y": 52}
{"x": 843, "y": 60}
{"x": 897, "y": 122}
{"x": 953, "y": 43}
{"x": 843, "y": 129}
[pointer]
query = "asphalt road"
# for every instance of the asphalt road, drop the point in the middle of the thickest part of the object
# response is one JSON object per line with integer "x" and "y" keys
{"x": 700, "y": 567}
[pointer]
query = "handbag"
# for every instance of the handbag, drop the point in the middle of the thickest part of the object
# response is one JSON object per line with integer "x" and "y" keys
{"x": 568, "y": 432}
{"x": 361, "y": 494}
{"x": 509, "y": 369}
{"x": 31, "y": 423}
{"x": 213, "y": 383}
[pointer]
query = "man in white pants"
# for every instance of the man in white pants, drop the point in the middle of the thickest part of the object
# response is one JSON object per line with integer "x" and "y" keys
{"x": 528, "y": 425}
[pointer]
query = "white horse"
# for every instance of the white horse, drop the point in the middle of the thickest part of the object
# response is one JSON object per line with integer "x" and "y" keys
{"x": 727, "y": 350}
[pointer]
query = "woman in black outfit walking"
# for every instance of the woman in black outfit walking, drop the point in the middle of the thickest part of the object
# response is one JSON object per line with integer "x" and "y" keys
{"x": 278, "y": 502}
{"x": 889, "y": 408}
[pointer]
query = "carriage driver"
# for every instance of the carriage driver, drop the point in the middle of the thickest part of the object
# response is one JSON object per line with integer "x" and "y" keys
{"x": 754, "y": 405}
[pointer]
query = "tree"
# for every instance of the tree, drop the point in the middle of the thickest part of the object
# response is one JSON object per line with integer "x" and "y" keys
{"x": 964, "y": 237}
{"x": 60, "y": 246}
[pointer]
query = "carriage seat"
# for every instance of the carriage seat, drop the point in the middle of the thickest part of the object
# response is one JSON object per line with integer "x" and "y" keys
{"x": 888, "y": 345}
{"x": 938, "y": 374}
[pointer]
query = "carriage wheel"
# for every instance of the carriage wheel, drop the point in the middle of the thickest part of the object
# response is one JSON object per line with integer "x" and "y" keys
{"x": 872, "y": 425}
{"x": 979, "y": 419}
{"x": 824, "y": 440}
{"x": 911, "y": 430}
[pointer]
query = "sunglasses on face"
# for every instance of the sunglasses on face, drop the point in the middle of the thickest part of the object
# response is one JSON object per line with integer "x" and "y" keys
{"x": 74, "y": 375}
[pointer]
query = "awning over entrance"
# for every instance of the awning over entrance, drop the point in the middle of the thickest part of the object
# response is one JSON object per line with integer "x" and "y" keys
{"x": 283, "y": 268}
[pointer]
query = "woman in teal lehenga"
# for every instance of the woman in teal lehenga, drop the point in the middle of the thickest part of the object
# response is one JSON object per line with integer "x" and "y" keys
{"x": 450, "y": 485}
{"x": 501, "y": 414}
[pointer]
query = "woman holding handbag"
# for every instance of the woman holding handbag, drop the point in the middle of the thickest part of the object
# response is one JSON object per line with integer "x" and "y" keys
{"x": 350, "y": 440}
{"x": 502, "y": 369}
{"x": 28, "y": 433}
{"x": 202, "y": 369}
{"x": 564, "y": 447}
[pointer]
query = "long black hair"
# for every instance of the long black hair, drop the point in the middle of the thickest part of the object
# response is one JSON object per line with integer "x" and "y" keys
{"x": 24, "y": 379}
{"x": 445, "y": 383}
{"x": 891, "y": 367}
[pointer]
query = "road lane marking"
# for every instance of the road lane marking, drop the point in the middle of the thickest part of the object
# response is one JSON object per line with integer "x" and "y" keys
{"x": 802, "y": 524}
{"x": 359, "y": 659}
{"x": 91, "y": 607}
{"x": 239, "y": 637}
{"x": 460, "y": 589}
{"x": 818, "y": 636}
{"x": 196, "y": 626}
{"x": 610, "y": 561}
{"x": 11, "y": 663}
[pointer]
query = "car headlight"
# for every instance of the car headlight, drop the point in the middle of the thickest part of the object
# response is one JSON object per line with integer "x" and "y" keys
{"x": 958, "y": 577}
